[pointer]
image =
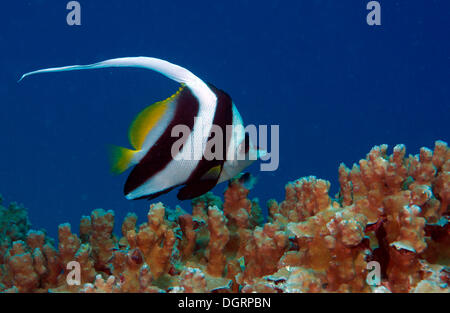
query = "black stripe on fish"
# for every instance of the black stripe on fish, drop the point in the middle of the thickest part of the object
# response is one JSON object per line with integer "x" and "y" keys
{"x": 160, "y": 155}
{"x": 246, "y": 143}
{"x": 195, "y": 185}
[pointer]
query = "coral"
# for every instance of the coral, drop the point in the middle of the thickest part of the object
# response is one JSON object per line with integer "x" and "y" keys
{"x": 391, "y": 209}
{"x": 98, "y": 230}
{"x": 156, "y": 240}
{"x": 288, "y": 279}
{"x": 405, "y": 197}
{"x": 219, "y": 236}
{"x": 25, "y": 277}
{"x": 14, "y": 225}
{"x": 263, "y": 250}
{"x": 187, "y": 244}
{"x": 192, "y": 280}
{"x": 102, "y": 286}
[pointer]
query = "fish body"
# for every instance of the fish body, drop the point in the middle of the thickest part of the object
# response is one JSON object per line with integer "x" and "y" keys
{"x": 200, "y": 108}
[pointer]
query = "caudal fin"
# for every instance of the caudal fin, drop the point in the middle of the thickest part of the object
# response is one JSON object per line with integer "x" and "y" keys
{"x": 121, "y": 159}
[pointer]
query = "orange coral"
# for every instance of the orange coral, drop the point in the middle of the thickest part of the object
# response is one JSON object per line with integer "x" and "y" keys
{"x": 20, "y": 263}
{"x": 391, "y": 209}
{"x": 219, "y": 236}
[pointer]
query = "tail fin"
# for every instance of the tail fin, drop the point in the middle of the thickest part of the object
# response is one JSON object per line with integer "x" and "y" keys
{"x": 120, "y": 159}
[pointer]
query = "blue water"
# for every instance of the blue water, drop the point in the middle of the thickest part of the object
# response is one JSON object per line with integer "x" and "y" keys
{"x": 335, "y": 85}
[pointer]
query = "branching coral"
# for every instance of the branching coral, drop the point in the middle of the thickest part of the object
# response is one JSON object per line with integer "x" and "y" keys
{"x": 14, "y": 225}
{"x": 219, "y": 236}
{"x": 392, "y": 209}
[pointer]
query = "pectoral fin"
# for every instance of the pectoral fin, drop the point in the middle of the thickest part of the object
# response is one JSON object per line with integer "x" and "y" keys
{"x": 198, "y": 188}
{"x": 213, "y": 173}
{"x": 195, "y": 189}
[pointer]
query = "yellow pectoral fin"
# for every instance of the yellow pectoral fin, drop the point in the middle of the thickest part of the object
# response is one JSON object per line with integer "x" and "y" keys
{"x": 213, "y": 173}
{"x": 147, "y": 119}
{"x": 120, "y": 159}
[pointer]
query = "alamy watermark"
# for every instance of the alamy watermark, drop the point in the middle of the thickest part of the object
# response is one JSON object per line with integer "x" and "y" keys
{"x": 74, "y": 16}
{"x": 374, "y": 16}
{"x": 374, "y": 274}
{"x": 373, "y": 278}
{"x": 234, "y": 143}
{"x": 73, "y": 277}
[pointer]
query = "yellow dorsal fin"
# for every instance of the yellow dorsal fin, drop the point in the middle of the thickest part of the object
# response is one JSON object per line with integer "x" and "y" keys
{"x": 147, "y": 119}
{"x": 120, "y": 159}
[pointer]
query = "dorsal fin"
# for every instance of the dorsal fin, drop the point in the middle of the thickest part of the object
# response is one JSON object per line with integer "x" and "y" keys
{"x": 175, "y": 72}
{"x": 146, "y": 120}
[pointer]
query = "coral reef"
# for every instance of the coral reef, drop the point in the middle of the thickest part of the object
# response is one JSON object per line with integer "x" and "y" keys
{"x": 391, "y": 209}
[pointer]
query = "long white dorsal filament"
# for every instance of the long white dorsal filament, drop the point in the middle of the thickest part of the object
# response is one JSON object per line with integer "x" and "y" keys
{"x": 172, "y": 71}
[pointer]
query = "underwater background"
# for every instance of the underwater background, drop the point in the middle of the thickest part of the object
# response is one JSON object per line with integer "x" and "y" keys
{"x": 335, "y": 85}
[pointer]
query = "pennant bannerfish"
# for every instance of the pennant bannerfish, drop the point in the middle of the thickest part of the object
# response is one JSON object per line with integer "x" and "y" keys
{"x": 197, "y": 106}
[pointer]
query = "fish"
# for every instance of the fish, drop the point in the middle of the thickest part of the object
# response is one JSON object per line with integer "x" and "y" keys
{"x": 198, "y": 107}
